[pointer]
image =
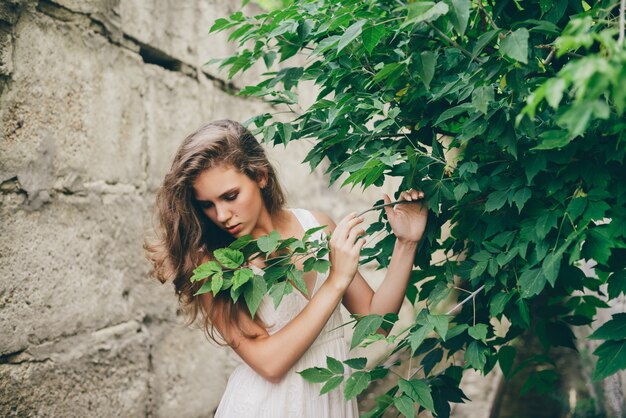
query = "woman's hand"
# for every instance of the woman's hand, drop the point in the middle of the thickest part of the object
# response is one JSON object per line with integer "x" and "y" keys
{"x": 407, "y": 220}
{"x": 345, "y": 250}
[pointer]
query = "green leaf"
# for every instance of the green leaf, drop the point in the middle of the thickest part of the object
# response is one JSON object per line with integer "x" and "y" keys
{"x": 205, "y": 270}
{"x": 498, "y": 303}
{"x": 515, "y": 45}
{"x": 241, "y": 277}
{"x": 331, "y": 384}
{"x": 216, "y": 283}
{"x": 316, "y": 374}
{"x": 334, "y": 365}
{"x": 419, "y": 392}
{"x": 387, "y": 71}
{"x": 475, "y": 356}
{"x": 240, "y": 242}
{"x": 357, "y": 363}
{"x": 367, "y": 325}
{"x": 229, "y": 258}
{"x": 478, "y": 332}
{"x": 576, "y": 118}
{"x": 253, "y": 294}
{"x": 425, "y": 63}
{"x": 205, "y": 288}
{"x": 279, "y": 290}
{"x": 424, "y": 11}
{"x": 506, "y": 357}
{"x": 350, "y": 34}
{"x": 269, "y": 243}
{"x": 617, "y": 284}
{"x": 297, "y": 277}
{"x": 615, "y": 329}
{"x": 532, "y": 282}
{"x": 356, "y": 384}
{"x": 481, "y": 97}
{"x": 417, "y": 337}
{"x": 371, "y": 36}
{"x": 404, "y": 405}
{"x": 460, "y": 14}
{"x": 496, "y": 200}
{"x": 440, "y": 324}
{"x": 520, "y": 197}
{"x": 611, "y": 359}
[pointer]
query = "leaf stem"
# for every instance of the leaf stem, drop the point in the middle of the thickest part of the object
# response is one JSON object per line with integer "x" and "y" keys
{"x": 387, "y": 204}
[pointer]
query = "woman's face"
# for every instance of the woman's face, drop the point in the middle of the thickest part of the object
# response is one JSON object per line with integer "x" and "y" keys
{"x": 230, "y": 199}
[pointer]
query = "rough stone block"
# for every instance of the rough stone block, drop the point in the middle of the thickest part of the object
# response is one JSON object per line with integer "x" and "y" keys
{"x": 71, "y": 266}
{"x": 100, "y": 374}
{"x": 74, "y": 101}
{"x": 189, "y": 374}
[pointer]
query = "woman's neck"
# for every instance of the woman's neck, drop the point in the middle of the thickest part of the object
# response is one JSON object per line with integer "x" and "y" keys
{"x": 269, "y": 222}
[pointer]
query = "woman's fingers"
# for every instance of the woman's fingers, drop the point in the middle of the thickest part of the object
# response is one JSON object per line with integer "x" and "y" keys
{"x": 354, "y": 234}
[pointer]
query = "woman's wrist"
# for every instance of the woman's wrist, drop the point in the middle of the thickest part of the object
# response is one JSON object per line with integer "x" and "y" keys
{"x": 407, "y": 243}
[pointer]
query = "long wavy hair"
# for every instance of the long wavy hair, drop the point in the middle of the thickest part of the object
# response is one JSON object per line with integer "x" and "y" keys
{"x": 185, "y": 236}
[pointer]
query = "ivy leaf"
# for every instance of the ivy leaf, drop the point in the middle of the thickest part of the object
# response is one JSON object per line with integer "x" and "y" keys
{"x": 425, "y": 63}
{"x": 334, "y": 365}
{"x": 350, "y": 34}
{"x": 506, "y": 357}
{"x": 520, "y": 197}
{"x": 367, "y": 325}
{"x": 316, "y": 374}
{"x": 475, "y": 356}
{"x": 356, "y": 384}
{"x": 498, "y": 303}
{"x": 615, "y": 329}
{"x": 331, "y": 384}
{"x": 478, "y": 332}
{"x": 532, "y": 282}
{"x": 417, "y": 337}
{"x": 357, "y": 363}
{"x": 297, "y": 277}
{"x": 424, "y": 11}
{"x": 440, "y": 324}
{"x": 205, "y": 288}
{"x": 229, "y": 258}
{"x": 371, "y": 36}
{"x": 611, "y": 359}
{"x": 419, "y": 392}
{"x": 241, "y": 277}
{"x": 515, "y": 45}
{"x": 216, "y": 283}
{"x": 404, "y": 405}
{"x": 481, "y": 97}
{"x": 205, "y": 270}
{"x": 269, "y": 243}
{"x": 279, "y": 290}
{"x": 495, "y": 200}
{"x": 253, "y": 294}
{"x": 460, "y": 14}
{"x": 617, "y": 284}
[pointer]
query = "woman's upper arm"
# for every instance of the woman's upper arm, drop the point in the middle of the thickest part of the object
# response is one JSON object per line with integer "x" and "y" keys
{"x": 243, "y": 340}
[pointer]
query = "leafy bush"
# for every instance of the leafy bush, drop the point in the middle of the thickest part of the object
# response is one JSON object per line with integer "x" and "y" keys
{"x": 509, "y": 114}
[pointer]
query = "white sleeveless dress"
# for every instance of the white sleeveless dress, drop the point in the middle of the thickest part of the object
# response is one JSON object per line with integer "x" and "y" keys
{"x": 250, "y": 395}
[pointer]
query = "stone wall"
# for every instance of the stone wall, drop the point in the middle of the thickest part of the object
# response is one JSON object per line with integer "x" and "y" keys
{"x": 95, "y": 96}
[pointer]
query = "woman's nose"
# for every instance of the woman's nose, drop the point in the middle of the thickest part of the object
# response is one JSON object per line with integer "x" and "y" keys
{"x": 223, "y": 213}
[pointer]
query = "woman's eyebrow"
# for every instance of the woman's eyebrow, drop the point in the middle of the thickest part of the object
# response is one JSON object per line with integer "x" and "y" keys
{"x": 227, "y": 192}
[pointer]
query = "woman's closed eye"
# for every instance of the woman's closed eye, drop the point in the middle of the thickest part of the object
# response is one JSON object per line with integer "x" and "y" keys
{"x": 231, "y": 197}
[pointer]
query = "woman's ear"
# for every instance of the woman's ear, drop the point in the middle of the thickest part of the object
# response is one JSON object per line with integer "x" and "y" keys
{"x": 262, "y": 178}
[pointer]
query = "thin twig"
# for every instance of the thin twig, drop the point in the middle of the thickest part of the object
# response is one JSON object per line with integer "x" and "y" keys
{"x": 471, "y": 296}
{"x": 454, "y": 43}
{"x": 487, "y": 15}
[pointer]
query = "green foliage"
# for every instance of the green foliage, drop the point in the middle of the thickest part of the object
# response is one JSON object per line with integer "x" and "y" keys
{"x": 512, "y": 123}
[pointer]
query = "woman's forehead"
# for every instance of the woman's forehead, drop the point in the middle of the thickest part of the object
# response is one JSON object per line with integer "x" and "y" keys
{"x": 215, "y": 181}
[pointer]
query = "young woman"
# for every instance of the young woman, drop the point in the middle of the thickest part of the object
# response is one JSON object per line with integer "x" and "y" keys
{"x": 220, "y": 187}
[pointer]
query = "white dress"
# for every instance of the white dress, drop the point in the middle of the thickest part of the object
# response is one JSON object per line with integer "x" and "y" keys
{"x": 250, "y": 395}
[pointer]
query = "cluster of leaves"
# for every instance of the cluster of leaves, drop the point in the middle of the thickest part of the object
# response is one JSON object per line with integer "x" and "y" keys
{"x": 509, "y": 115}
{"x": 231, "y": 272}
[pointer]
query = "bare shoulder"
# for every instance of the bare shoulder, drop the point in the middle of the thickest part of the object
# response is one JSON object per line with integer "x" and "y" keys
{"x": 324, "y": 219}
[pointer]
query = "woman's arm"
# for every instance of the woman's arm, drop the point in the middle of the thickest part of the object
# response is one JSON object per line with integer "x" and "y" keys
{"x": 272, "y": 356}
{"x": 408, "y": 222}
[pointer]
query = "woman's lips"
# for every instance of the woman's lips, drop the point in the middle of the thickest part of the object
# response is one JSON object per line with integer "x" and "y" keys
{"x": 235, "y": 229}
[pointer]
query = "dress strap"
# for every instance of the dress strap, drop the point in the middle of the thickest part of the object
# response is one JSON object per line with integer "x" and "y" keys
{"x": 308, "y": 221}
